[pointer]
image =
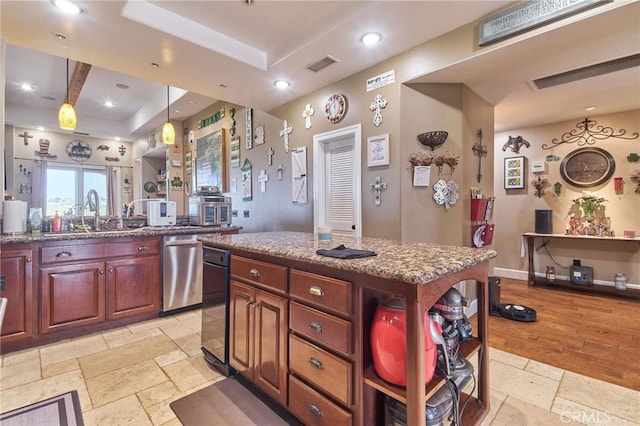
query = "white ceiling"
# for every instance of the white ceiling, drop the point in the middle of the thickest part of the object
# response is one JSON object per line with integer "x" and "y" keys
{"x": 233, "y": 51}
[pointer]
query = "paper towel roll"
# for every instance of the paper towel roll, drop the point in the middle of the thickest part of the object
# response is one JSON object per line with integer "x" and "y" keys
{"x": 14, "y": 216}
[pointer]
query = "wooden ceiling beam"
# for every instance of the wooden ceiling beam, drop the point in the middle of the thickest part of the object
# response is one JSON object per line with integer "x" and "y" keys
{"x": 80, "y": 73}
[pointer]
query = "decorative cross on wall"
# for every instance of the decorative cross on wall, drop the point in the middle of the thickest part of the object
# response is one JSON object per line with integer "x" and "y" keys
{"x": 284, "y": 133}
{"x": 378, "y": 187}
{"x": 263, "y": 177}
{"x": 378, "y": 104}
{"x": 306, "y": 114}
{"x": 123, "y": 150}
{"x": 481, "y": 151}
{"x": 26, "y": 137}
{"x": 270, "y": 153}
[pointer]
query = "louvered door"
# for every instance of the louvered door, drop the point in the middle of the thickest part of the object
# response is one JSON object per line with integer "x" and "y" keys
{"x": 340, "y": 185}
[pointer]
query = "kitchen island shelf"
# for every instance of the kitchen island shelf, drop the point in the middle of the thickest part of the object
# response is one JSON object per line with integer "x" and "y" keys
{"x": 467, "y": 349}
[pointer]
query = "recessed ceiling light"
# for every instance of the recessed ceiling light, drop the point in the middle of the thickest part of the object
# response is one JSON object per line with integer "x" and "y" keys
{"x": 155, "y": 64}
{"x": 370, "y": 39}
{"x": 26, "y": 87}
{"x": 67, "y": 7}
{"x": 191, "y": 101}
{"x": 223, "y": 86}
{"x": 60, "y": 36}
{"x": 590, "y": 108}
{"x": 178, "y": 110}
{"x": 40, "y": 128}
{"x": 108, "y": 104}
{"x": 281, "y": 84}
{"x": 117, "y": 138}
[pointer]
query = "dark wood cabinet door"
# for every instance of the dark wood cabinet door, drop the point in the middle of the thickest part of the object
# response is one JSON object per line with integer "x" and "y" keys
{"x": 133, "y": 287}
{"x": 271, "y": 345}
{"x": 71, "y": 296}
{"x": 241, "y": 328}
{"x": 16, "y": 268}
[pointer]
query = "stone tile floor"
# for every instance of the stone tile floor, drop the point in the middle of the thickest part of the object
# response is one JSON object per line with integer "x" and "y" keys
{"x": 128, "y": 376}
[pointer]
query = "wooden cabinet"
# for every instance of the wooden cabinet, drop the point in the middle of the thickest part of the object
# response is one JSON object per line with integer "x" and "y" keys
{"x": 132, "y": 286}
{"x": 93, "y": 282}
{"x": 258, "y": 326}
{"x": 71, "y": 296}
{"x": 16, "y": 270}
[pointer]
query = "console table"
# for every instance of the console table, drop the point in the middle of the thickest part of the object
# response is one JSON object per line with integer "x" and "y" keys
{"x": 530, "y": 237}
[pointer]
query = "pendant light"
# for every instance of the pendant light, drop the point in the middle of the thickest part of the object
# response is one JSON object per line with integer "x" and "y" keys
{"x": 168, "y": 132}
{"x": 67, "y": 115}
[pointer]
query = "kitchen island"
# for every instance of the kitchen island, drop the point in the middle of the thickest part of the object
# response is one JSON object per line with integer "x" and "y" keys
{"x": 292, "y": 283}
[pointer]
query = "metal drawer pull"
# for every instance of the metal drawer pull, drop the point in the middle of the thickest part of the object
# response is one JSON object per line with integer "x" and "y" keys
{"x": 315, "y": 327}
{"x": 64, "y": 254}
{"x": 316, "y": 410}
{"x": 254, "y": 273}
{"x": 316, "y": 291}
{"x": 141, "y": 248}
{"x": 317, "y": 364}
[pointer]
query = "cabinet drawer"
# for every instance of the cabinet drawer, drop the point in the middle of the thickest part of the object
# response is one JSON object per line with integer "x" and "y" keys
{"x": 328, "y": 372}
{"x": 74, "y": 251}
{"x": 314, "y": 409}
{"x": 261, "y": 273}
{"x": 323, "y": 328}
{"x": 321, "y": 291}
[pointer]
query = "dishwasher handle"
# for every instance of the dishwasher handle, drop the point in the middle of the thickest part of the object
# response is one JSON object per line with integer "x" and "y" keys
{"x": 182, "y": 243}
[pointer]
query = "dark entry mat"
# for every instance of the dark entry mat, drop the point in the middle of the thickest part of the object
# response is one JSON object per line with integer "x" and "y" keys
{"x": 228, "y": 402}
{"x": 61, "y": 410}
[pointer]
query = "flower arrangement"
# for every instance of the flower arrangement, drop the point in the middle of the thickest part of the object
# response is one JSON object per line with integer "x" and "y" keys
{"x": 589, "y": 202}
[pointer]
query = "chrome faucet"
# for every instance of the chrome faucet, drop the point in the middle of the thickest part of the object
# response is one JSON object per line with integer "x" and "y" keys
{"x": 94, "y": 205}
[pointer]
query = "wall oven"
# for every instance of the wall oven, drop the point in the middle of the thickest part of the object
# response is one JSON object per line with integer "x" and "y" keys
{"x": 215, "y": 308}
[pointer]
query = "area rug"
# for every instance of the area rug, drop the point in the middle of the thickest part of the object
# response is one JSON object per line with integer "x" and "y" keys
{"x": 228, "y": 402}
{"x": 61, "y": 410}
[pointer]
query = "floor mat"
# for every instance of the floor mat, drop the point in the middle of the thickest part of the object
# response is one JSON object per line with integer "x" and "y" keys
{"x": 228, "y": 402}
{"x": 61, "y": 410}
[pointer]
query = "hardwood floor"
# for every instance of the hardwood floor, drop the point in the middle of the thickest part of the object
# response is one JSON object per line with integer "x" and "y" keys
{"x": 591, "y": 335}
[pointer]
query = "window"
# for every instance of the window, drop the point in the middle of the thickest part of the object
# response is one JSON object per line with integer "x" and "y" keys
{"x": 67, "y": 188}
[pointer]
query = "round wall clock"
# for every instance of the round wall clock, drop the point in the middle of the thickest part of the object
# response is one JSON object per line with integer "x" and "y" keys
{"x": 335, "y": 108}
{"x": 587, "y": 167}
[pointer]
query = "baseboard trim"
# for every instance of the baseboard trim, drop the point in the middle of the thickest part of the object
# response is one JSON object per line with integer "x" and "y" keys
{"x": 523, "y": 275}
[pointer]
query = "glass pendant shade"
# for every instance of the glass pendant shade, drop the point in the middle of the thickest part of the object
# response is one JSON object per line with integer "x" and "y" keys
{"x": 168, "y": 132}
{"x": 67, "y": 117}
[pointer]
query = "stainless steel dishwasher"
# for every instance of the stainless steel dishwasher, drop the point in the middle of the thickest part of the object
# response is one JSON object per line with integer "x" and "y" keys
{"x": 181, "y": 273}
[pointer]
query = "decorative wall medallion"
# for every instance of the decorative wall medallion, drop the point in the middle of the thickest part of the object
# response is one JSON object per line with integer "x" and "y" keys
{"x": 445, "y": 193}
{"x": 306, "y": 114}
{"x": 78, "y": 150}
{"x": 335, "y": 108}
{"x": 379, "y": 103}
{"x": 284, "y": 134}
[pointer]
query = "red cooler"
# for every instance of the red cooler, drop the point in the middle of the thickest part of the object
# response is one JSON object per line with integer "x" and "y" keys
{"x": 388, "y": 342}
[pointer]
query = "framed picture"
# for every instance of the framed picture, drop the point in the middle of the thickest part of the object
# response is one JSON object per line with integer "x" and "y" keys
{"x": 378, "y": 150}
{"x": 187, "y": 163}
{"x": 248, "y": 123}
{"x": 210, "y": 160}
{"x": 235, "y": 152}
{"x": 514, "y": 173}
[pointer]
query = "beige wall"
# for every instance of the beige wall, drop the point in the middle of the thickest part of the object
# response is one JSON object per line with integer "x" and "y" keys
{"x": 514, "y": 210}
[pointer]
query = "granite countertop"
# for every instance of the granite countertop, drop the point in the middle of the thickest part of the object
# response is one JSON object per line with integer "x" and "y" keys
{"x": 143, "y": 231}
{"x": 410, "y": 262}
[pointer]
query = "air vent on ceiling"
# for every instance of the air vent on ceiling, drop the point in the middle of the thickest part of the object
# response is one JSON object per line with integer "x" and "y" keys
{"x": 81, "y": 133}
{"x": 587, "y": 72}
{"x": 322, "y": 63}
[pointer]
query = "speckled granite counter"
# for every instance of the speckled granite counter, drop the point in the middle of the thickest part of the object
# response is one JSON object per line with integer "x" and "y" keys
{"x": 409, "y": 262}
{"x": 144, "y": 231}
